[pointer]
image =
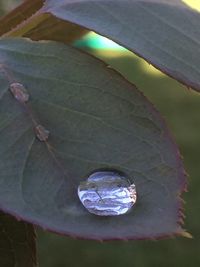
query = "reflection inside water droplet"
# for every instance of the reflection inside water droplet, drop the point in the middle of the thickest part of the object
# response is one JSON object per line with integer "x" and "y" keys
{"x": 107, "y": 193}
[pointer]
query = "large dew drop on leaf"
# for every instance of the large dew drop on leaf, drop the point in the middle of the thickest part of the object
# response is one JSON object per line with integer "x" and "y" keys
{"x": 97, "y": 120}
{"x": 107, "y": 193}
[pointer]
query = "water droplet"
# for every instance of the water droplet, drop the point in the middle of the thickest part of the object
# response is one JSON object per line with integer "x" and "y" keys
{"x": 41, "y": 133}
{"x": 107, "y": 193}
{"x": 19, "y": 92}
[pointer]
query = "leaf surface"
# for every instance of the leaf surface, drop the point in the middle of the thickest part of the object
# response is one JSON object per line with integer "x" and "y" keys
{"x": 17, "y": 243}
{"x": 96, "y": 120}
{"x": 164, "y": 32}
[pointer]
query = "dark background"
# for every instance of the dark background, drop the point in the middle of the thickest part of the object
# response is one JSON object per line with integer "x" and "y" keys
{"x": 181, "y": 108}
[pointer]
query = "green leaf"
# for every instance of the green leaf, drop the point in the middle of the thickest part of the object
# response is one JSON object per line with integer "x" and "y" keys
{"x": 17, "y": 243}
{"x": 164, "y": 32}
{"x": 96, "y": 120}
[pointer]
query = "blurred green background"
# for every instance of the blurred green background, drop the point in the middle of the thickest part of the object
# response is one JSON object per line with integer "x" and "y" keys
{"x": 181, "y": 108}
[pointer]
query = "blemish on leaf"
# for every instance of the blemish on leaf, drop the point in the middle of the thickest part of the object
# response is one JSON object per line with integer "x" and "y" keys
{"x": 41, "y": 133}
{"x": 19, "y": 92}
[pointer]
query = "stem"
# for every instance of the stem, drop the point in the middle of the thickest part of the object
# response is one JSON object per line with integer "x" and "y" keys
{"x": 27, "y": 25}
